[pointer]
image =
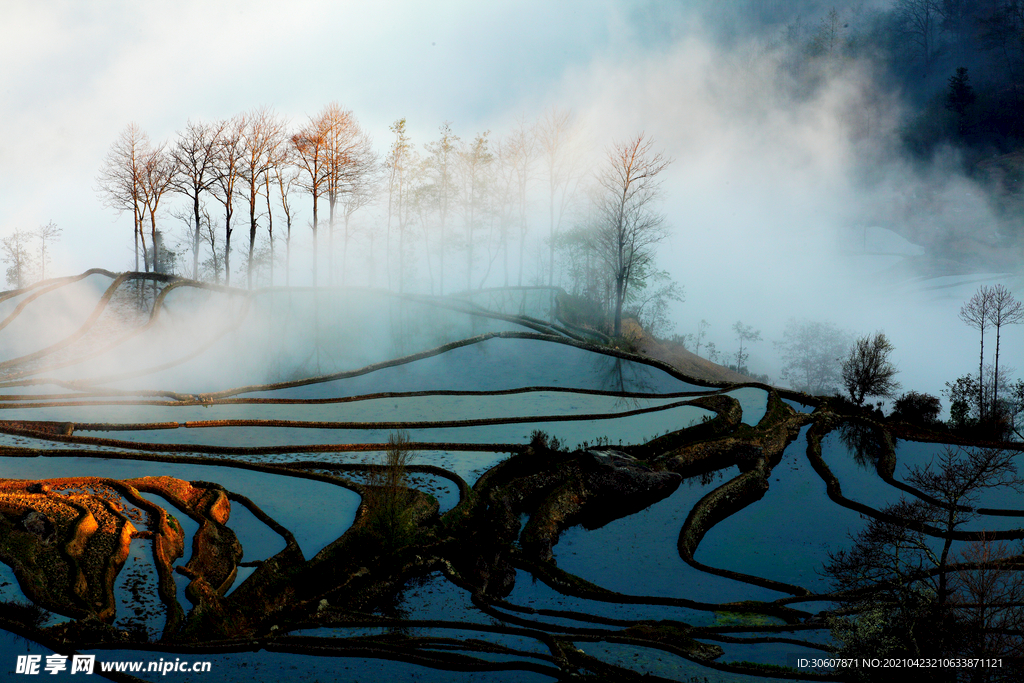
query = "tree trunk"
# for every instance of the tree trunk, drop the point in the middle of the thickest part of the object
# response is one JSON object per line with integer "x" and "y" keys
{"x": 401, "y": 254}
{"x": 270, "y": 230}
{"x": 156, "y": 247}
{"x": 995, "y": 378}
{"x": 522, "y": 248}
{"x": 469, "y": 255}
{"x": 387, "y": 240}
{"x": 288, "y": 253}
{"x": 252, "y": 242}
{"x": 426, "y": 254}
{"x": 981, "y": 378}
{"x": 504, "y": 250}
{"x": 344, "y": 253}
{"x": 195, "y": 246}
{"x": 440, "y": 275}
{"x": 314, "y": 242}
{"x": 227, "y": 246}
{"x": 944, "y": 557}
{"x": 332, "y": 200}
{"x": 620, "y": 292}
{"x": 551, "y": 238}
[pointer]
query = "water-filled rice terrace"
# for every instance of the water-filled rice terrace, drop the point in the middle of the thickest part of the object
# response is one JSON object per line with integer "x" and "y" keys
{"x": 197, "y": 469}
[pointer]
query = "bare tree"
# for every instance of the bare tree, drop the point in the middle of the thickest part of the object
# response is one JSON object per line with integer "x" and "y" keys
{"x": 977, "y": 313}
{"x": 51, "y": 233}
{"x": 268, "y": 195}
{"x": 812, "y": 354}
{"x": 745, "y": 333}
{"x": 520, "y": 149}
{"x": 423, "y": 201}
{"x": 867, "y": 370}
{"x": 650, "y": 302}
{"x": 957, "y": 21}
{"x": 629, "y": 227}
{"x": 899, "y": 581}
{"x": 158, "y": 173}
{"x": 918, "y": 22}
{"x": 120, "y": 179}
{"x": 1004, "y": 310}
{"x": 441, "y": 172}
{"x": 261, "y": 138}
{"x": 214, "y": 265}
{"x": 229, "y": 168}
{"x": 286, "y": 176}
{"x": 828, "y": 38}
{"x": 698, "y": 338}
{"x": 558, "y": 136}
{"x": 350, "y": 161}
{"x": 283, "y": 155}
{"x": 338, "y": 127}
{"x": 18, "y": 257}
{"x": 990, "y": 597}
{"x": 1001, "y": 27}
{"x": 310, "y": 145}
{"x": 510, "y": 180}
{"x": 398, "y": 165}
{"x": 503, "y": 195}
{"x": 362, "y": 190}
{"x": 474, "y": 171}
{"x": 195, "y": 156}
{"x": 956, "y": 485}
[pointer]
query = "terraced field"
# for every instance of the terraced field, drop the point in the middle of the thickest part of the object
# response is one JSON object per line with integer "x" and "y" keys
{"x": 206, "y": 470}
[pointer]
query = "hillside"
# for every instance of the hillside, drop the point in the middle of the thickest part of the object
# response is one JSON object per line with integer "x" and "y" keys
{"x": 687, "y": 362}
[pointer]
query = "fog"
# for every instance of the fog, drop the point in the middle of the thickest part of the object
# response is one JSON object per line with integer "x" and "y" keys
{"x": 787, "y": 202}
{"x": 788, "y": 196}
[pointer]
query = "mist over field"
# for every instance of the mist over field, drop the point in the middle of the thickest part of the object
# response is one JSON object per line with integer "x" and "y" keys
{"x": 814, "y": 172}
{"x": 513, "y": 341}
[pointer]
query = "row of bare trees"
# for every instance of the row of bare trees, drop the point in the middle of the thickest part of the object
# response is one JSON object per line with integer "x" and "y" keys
{"x": 27, "y": 253}
{"x": 475, "y": 197}
{"x": 483, "y": 199}
{"x": 247, "y": 161}
{"x": 927, "y": 28}
{"x": 479, "y": 197}
{"x": 990, "y": 307}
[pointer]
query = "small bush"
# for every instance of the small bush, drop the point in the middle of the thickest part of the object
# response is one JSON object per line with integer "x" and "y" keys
{"x": 27, "y": 613}
{"x": 581, "y": 312}
{"x": 389, "y": 502}
{"x": 917, "y": 408}
{"x": 540, "y": 440}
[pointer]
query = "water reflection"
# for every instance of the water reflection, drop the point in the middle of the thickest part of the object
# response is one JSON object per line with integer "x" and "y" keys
{"x": 394, "y": 607}
{"x": 866, "y": 443}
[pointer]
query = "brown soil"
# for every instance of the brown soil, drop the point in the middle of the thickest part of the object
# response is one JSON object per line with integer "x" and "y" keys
{"x": 690, "y": 364}
{"x": 72, "y": 569}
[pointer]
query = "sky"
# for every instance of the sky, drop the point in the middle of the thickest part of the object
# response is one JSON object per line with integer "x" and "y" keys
{"x": 763, "y": 192}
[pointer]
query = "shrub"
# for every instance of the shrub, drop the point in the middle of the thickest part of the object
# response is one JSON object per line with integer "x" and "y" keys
{"x": 581, "y": 312}
{"x": 389, "y": 499}
{"x": 27, "y": 613}
{"x": 540, "y": 440}
{"x": 812, "y": 353}
{"x": 917, "y": 408}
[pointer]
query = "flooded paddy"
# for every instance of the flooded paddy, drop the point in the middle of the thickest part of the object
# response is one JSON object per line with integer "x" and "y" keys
{"x": 556, "y": 505}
